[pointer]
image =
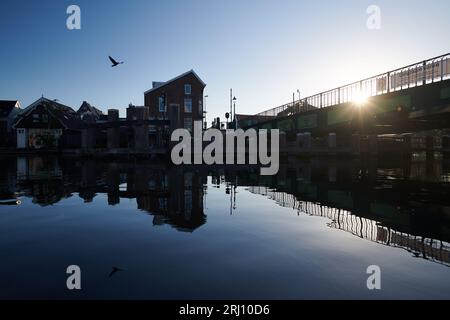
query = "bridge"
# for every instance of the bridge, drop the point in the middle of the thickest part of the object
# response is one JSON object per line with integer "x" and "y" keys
{"x": 411, "y": 99}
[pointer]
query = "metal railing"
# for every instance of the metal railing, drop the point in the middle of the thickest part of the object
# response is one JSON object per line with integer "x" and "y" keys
{"x": 415, "y": 75}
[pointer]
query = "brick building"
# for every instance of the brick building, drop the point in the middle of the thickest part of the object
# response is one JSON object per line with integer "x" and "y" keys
{"x": 179, "y": 100}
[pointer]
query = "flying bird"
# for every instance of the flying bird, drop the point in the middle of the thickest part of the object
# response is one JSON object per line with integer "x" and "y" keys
{"x": 114, "y": 62}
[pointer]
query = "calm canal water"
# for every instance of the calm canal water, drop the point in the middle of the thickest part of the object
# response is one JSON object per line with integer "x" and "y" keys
{"x": 201, "y": 233}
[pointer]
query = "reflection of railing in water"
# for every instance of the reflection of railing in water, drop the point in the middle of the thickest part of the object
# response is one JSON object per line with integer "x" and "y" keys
{"x": 429, "y": 249}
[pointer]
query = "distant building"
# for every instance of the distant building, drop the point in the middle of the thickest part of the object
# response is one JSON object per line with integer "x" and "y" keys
{"x": 48, "y": 124}
{"x": 90, "y": 114}
{"x": 179, "y": 100}
{"x": 9, "y": 109}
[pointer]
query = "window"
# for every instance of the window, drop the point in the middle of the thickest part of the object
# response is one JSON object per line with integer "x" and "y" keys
{"x": 187, "y": 89}
{"x": 188, "y": 123}
{"x": 35, "y": 117}
{"x": 45, "y": 118}
{"x": 188, "y": 105}
{"x": 162, "y": 104}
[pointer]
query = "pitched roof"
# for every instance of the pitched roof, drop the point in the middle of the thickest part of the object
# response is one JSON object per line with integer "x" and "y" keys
{"x": 162, "y": 84}
{"x": 86, "y": 107}
{"x": 66, "y": 115}
{"x": 6, "y": 106}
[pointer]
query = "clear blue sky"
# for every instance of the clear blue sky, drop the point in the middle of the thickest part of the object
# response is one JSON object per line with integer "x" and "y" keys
{"x": 264, "y": 49}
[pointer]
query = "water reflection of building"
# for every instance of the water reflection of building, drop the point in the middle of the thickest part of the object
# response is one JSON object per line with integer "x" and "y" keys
{"x": 173, "y": 197}
{"x": 8, "y": 183}
{"x": 42, "y": 178}
{"x": 399, "y": 205}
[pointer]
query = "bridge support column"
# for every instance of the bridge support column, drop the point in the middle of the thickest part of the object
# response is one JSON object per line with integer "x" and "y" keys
{"x": 307, "y": 141}
{"x": 373, "y": 144}
{"x": 430, "y": 148}
{"x": 332, "y": 172}
{"x": 299, "y": 141}
{"x": 407, "y": 144}
{"x": 332, "y": 141}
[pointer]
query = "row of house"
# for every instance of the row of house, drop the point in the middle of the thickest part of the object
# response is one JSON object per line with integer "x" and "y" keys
{"x": 49, "y": 124}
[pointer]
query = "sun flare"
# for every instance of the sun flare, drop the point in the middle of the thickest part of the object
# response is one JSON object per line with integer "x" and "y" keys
{"x": 360, "y": 99}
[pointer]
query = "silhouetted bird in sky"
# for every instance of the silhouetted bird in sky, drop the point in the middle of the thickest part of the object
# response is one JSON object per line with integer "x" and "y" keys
{"x": 114, "y": 62}
{"x": 114, "y": 271}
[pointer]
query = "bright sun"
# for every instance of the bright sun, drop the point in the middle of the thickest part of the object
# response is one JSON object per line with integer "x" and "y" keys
{"x": 360, "y": 99}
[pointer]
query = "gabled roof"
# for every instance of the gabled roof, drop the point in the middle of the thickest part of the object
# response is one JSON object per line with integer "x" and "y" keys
{"x": 162, "y": 84}
{"x": 6, "y": 106}
{"x": 86, "y": 107}
{"x": 66, "y": 115}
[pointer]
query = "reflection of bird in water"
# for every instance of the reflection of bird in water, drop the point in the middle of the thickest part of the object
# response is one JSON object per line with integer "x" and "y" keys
{"x": 114, "y": 271}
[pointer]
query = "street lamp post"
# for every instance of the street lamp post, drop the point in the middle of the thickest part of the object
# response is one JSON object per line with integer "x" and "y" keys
{"x": 234, "y": 113}
{"x": 204, "y": 113}
{"x": 231, "y": 103}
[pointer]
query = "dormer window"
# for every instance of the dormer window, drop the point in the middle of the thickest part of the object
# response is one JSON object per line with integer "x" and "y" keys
{"x": 187, "y": 89}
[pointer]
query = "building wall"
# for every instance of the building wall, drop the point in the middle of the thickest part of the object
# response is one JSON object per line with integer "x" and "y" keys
{"x": 38, "y": 138}
{"x": 175, "y": 97}
{"x": 135, "y": 113}
{"x": 38, "y": 129}
{"x": 6, "y": 135}
{"x": 22, "y": 135}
